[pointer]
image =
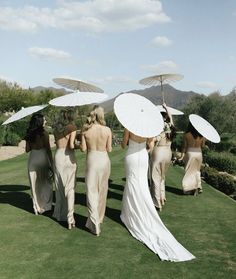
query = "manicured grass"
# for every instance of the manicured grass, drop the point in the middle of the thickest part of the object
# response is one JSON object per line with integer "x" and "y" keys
{"x": 39, "y": 247}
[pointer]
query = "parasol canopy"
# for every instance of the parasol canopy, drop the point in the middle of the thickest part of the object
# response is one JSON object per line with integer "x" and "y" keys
{"x": 172, "y": 111}
{"x": 76, "y": 84}
{"x": 204, "y": 128}
{"x": 139, "y": 115}
{"x": 161, "y": 79}
{"x": 23, "y": 113}
{"x": 78, "y": 99}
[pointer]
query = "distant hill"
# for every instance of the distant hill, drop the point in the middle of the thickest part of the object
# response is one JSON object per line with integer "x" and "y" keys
{"x": 38, "y": 89}
{"x": 173, "y": 97}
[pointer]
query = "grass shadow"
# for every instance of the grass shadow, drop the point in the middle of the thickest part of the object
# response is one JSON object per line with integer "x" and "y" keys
{"x": 114, "y": 195}
{"x": 116, "y": 187}
{"x": 174, "y": 190}
{"x": 114, "y": 215}
{"x": 20, "y": 200}
{"x": 80, "y": 198}
{"x": 14, "y": 188}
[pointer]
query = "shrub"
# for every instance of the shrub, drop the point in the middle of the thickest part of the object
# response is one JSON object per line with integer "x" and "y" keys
{"x": 223, "y": 161}
{"x": 11, "y": 138}
{"x": 223, "y": 182}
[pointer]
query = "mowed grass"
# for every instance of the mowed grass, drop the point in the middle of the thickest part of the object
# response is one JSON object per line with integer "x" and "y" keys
{"x": 39, "y": 247}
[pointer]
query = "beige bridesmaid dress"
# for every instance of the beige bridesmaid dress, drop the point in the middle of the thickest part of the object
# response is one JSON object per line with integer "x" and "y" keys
{"x": 97, "y": 175}
{"x": 160, "y": 161}
{"x": 65, "y": 181}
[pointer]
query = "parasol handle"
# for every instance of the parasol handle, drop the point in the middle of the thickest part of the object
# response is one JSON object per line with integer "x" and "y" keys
{"x": 162, "y": 93}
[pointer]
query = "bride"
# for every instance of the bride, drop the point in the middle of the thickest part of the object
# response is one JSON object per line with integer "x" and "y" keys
{"x": 138, "y": 212}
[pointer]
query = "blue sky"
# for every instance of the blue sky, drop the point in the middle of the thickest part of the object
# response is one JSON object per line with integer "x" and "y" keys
{"x": 115, "y": 43}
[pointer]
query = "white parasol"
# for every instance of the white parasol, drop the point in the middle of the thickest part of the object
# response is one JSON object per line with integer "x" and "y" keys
{"x": 172, "y": 111}
{"x": 23, "y": 113}
{"x": 160, "y": 79}
{"x": 204, "y": 128}
{"x": 139, "y": 115}
{"x": 76, "y": 84}
{"x": 78, "y": 99}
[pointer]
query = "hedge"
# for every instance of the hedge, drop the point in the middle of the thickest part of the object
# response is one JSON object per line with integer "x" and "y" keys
{"x": 223, "y": 182}
{"x": 223, "y": 161}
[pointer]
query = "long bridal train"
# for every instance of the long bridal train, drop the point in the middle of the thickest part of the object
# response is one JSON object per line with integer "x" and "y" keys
{"x": 138, "y": 211}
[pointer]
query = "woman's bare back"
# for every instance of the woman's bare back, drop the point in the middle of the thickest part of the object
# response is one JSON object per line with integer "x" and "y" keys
{"x": 97, "y": 138}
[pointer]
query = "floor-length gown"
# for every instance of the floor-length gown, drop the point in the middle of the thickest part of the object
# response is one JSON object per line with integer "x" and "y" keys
{"x": 41, "y": 186}
{"x": 97, "y": 175}
{"x": 161, "y": 158}
{"x": 192, "y": 177}
{"x": 65, "y": 175}
{"x": 138, "y": 211}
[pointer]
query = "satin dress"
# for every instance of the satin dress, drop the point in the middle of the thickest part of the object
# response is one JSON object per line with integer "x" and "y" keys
{"x": 138, "y": 211}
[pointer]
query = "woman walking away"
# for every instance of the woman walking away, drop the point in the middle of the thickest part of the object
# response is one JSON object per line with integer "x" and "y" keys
{"x": 65, "y": 167}
{"x": 97, "y": 141}
{"x": 39, "y": 164}
{"x": 193, "y": 142}
{"x": 138, "y": 211}
{"x": 161, "y": 158}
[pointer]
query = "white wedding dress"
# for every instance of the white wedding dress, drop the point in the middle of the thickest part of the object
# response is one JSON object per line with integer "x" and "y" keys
{"x": 138, "y": 211}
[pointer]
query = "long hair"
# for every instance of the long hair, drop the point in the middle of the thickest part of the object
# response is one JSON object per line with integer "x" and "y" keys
{"x": 64, "y": 117}
{"x": 170, "y": 130}
{"x": 96, "y": 116}
{"x": 193, "y": 131}
{"x": 35, "y": 127}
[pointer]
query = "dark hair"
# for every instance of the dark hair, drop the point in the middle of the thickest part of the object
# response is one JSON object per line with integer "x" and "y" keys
{"x": 165, "y": 116}
{"x": 35, "y": 127}
{"x": 193, "y": 131}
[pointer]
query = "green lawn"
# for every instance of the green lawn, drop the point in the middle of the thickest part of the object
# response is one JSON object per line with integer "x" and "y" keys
{"x": 39, "y": 247}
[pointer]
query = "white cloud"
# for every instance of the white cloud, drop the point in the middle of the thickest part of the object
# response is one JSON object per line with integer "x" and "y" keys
{"x": 92, "y": 16}
{"x": 234, "y": 13}
{"x": 161, "y": 41}
{"x": 207, "y": 85}
{"x": 49, "y": 53}
{"x": 162, "y": 67}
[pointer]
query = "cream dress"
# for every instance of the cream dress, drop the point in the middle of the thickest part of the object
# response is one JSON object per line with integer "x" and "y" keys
{"x": 65, "y": 175}
{"x": 193, "y": 161}
{"x": 97, "y": 175}
{"x": 138, "y": 211}
{"x": 160, "y": 161}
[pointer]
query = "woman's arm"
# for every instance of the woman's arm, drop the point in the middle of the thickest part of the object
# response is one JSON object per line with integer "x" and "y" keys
{"x": 125, "y": 138}
{"x": 184, "y": 147}
{"x": 150, "y": 144}
{"x": 83, "y": 145}
{"x": 109, "y": 141}
{"x": 48, "y": 148}
{"x": 27, "y": 146}
{"x": 168, "y": 113}
{"x": 72, "y": 140}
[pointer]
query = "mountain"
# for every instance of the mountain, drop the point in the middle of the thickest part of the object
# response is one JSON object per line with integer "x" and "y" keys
{"x": 38, "y": 89}
{"x": 173, "y": 97}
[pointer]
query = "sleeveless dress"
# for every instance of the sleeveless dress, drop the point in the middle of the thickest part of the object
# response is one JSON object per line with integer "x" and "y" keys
{"x": 41, "y": 186}
{"x": 65, "y": 180}
{"x": 96, "y": 180}
{"x": 192, "y": 177}
{"x": 160, "y": 161}
{"x": 138, "y": 211}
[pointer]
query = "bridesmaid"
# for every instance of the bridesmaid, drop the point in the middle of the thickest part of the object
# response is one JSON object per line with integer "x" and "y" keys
{"x": 193, "y": 143}
{"x": 96, "y": 139}
{"x": 39, "y": 164}
{"x": 161, "y": 158}
{"x": 65, "y": 167}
